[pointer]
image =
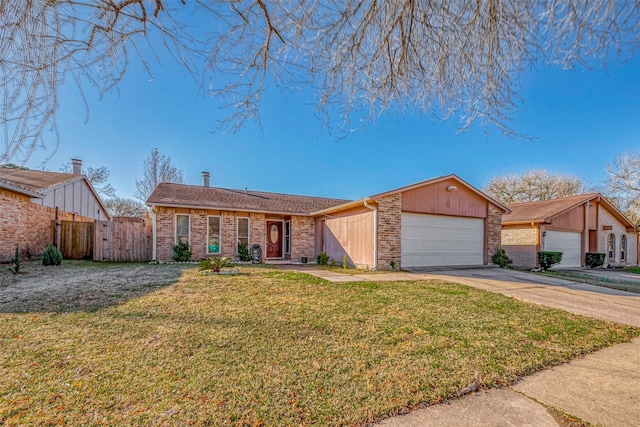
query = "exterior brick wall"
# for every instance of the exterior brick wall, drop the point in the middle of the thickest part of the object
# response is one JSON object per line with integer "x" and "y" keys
{"x": 303, "y": 231}
{"x": 520, "y": 245}
{"x": 229, "y": 237}
{"x": 494, "y": 230}
{"x": 258, "y": 231}
{"x": 165, "y": 233}
{"x": 198, "y": 234}
{"x": 389, "y": 230}
{"x": 27, "y": 225}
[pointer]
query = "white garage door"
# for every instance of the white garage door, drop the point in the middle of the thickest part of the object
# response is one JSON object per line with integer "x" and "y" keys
{"x": 567, "y": 242}
{"x": 437, "y": 240}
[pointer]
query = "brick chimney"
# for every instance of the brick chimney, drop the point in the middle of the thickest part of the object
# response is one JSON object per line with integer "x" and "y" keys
{"x": 76, "y": 166}
{"x": 205, "y": 179}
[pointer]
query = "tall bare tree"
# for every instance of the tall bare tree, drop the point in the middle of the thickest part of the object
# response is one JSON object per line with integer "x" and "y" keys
{"x": 623, "y": 183}
{"x": 120, "y": 206}
{"x": 360, "y": 57}
{"x": 534, "y": 186}
{"x": 157, "y": 169}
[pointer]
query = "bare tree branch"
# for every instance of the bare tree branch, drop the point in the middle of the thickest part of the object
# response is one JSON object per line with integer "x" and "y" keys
{"x": 157, "y": 169}
{"x": 360, "y": 58}
{"x": 534, "y": 186}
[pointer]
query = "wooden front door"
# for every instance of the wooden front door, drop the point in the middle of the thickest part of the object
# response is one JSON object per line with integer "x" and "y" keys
{"x": 274, "y": 239}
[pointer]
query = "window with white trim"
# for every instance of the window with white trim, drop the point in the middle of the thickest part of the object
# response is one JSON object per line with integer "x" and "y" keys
{"x": 287, "y": 237}
{"x": 213, "y": 235}
{"x": 623, "y": 247}
{"x": 611, "y": 246}
{"x": 182, "y": 228}
{"x": 243, "y": 231}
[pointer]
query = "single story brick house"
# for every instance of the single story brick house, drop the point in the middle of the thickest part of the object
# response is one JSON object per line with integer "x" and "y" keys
{"x": 30, "y": 200}
{"x": 439, "y": 222}
{"x": 571, "y": 225}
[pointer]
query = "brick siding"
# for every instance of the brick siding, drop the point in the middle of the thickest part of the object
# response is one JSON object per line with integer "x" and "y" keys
{"x": 389, "y": 231}
{"x": 520, "y": 245}
{"x": 494, "y": 230}
{"x": 258, "y": 231}
{"x": 27, "y": 225}
{"x": 303, "y": 231}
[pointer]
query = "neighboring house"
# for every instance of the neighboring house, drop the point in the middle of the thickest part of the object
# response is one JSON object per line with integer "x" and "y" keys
{"x": 30, "y": 200}
{"x": 439, "y": 222}
{"x": 571, "y": 225}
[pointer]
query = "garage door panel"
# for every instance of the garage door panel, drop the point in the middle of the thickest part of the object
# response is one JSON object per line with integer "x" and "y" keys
{"x": 567, "y": 242}
{"x": 437, "y": 240}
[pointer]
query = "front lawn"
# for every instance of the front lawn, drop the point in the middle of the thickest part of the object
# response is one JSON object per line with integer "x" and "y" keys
{"x": 632, "y": 269}
{"x": 275, "y": 348}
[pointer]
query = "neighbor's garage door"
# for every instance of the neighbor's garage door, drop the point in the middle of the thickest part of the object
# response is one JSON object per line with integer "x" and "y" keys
{"x": 437, "y": 240}
{"x": 567, "y": 242}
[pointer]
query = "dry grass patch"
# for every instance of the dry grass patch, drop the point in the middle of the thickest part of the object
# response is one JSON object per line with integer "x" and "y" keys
{"x": 269, "y": 347}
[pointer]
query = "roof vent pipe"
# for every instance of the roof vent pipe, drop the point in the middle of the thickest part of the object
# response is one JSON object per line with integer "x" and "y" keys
{"x": 76, "y": 166}
{"x": 205, "y": 179}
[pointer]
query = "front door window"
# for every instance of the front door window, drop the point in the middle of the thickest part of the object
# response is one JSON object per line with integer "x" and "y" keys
{"x": 274, "y": 239}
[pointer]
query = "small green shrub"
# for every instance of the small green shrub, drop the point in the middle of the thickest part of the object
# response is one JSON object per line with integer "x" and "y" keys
{"x": 500, "y": 258}
{"x": 243, "y": 252}
{"x": 181, "y": 252}
{"x": 393, "y": 264}
{"x": 322, "y": 258}
{"x": 52, "y": 256}
{"x": 546, "y": 259}
{"x": 216, "y": 263}
{"x": 345, "y": 261}
{"x": 14, "y": 264}
{"x": 594, "y": 259}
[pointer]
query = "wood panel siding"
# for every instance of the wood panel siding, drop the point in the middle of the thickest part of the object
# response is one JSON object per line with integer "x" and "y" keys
{"x": 349, "y": 233}
{"x": 75, "y": 197}
{"x": 436, "y": 199}
{"x": 593, "y": 216}
{"x": 572, "y": 220}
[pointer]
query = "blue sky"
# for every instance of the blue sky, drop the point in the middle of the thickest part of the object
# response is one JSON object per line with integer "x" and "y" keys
{"x": 581, "y": 119}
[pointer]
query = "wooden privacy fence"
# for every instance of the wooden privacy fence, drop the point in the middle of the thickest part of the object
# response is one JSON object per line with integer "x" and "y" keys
{"x": 74, "y": 238}
{"x": 113, "y": 241}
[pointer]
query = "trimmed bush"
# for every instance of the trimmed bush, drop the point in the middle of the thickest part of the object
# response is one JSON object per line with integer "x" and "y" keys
{"x": 322, "y": 258}
{"x": 500, "y": 258}
{"x": 52, "y": 256}
{"x": 181, "y": 252}
{"x": 243, "y": 252}
{"x": 546, "y": 259}
{"x": 594, "y": 259}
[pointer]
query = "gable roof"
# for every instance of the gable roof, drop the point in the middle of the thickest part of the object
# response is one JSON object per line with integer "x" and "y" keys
{"x": 36, "y": 180}
{"x": 214, "y": 198}
{"x": 545, "y": 210}
{"x": 454, "y": 177}
{"x": 35, "y": 184}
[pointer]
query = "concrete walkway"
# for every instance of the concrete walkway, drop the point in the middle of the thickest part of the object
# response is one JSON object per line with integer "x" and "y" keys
{"x": 602, "y": 388}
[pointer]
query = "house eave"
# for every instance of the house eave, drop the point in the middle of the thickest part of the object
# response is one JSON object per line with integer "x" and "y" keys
{"x": 20, "y": 190}
{"x": 341, "y": 207}
{"x": 228, "y": 209}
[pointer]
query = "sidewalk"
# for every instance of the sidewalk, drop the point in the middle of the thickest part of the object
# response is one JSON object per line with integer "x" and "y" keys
{"x": 602, "y": 388}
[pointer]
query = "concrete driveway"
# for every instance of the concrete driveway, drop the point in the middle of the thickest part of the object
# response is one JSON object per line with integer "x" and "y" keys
{"x": 581, "y": 298}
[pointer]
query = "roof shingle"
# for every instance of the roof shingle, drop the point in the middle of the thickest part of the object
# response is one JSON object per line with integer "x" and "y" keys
{"x": 229, "y": 199}
{"x": 35, "y": 180}
{"x": 544, "y": 210}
